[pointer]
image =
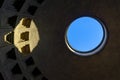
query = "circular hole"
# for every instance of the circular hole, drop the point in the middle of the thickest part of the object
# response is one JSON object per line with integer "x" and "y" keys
{"x": 86, "y": 36}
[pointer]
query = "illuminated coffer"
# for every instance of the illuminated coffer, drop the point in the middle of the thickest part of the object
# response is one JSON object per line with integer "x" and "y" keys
{"x": 25, "y": 36}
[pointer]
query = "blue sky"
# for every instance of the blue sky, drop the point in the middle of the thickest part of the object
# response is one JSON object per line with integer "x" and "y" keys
{"x": 84, "y": 34}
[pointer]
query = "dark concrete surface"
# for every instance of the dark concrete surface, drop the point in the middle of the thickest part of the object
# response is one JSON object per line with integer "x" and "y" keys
{"x": 52, "y": 57}
{"x": 55, "y": 59}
